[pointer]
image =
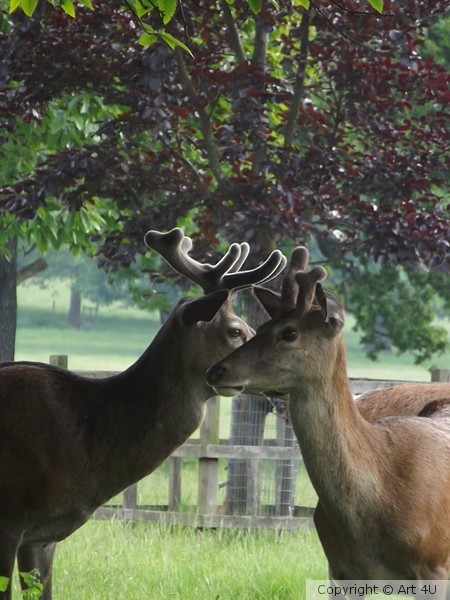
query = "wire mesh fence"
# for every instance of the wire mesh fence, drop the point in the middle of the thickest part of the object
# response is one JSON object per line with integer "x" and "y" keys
{"x": 260, "y": 486}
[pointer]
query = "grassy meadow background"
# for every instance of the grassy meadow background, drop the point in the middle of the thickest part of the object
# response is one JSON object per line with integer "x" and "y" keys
{"x": 121, "y": 334}
{"x": 112, "y": 560}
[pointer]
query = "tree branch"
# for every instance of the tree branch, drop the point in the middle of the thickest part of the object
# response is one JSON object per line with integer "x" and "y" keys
{"x": 205, "y": 123}
{"x": 260, "y": 46}
{"x": 299, "y": 85}
{"x": 30, "y": 270}
{"x": 235, "y": 40}
{"x": 342, "y": 32}
{"x": 259, "y": 59}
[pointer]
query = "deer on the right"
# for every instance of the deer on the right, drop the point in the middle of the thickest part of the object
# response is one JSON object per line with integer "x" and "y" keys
{"x": 383, "y": 486}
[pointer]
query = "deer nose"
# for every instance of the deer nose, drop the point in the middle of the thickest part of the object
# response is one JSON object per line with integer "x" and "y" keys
{"x": 214, "y": 374}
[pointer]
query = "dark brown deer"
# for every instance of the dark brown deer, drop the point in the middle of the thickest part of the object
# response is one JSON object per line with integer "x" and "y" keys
{"x": 383, "y": 486}
{"x": 69, "y": 443}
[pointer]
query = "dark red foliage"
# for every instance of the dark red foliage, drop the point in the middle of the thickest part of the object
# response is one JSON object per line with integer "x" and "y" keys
{"x": 368, "y": 156}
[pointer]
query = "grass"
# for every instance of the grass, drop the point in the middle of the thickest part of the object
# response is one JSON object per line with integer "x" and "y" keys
{"x": 113, "y": 561}
{"x": 118, "y": 337}
{"x": 121, "y": 334}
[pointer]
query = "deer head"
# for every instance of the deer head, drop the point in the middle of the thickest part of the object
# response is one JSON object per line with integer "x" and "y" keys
{"x": 209, "y": 323}
{"x": 305, "y": 319}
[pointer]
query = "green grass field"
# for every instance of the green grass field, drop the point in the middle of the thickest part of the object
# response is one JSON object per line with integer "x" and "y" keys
{"x": 113, "y": 561}
{"x": 121, "y": 334}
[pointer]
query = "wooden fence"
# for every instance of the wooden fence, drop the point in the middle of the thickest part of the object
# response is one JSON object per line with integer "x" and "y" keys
{"x": 207, "y": 450}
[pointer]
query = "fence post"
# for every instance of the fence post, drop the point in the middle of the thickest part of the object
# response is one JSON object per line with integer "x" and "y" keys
{"x": 174, "y": 483}
{"x": 208, "y": 467}
{"x": 59, "y": 360}
{"x": 130, "y": 496}
{"x": 440, "y": 375}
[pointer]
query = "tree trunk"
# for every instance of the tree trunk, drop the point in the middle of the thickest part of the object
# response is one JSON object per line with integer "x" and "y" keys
{"x": 8, "y": 302}
{"x": 74, "y": 316}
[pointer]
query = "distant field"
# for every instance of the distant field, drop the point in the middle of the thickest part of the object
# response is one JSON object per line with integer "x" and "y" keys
{"x": 121, "y": 334}
{"x": 113, "y": 342}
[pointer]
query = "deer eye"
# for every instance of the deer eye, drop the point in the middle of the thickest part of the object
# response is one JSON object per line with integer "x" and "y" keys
{"x": 235, "y": 332}
{"x": 289, "y": 335}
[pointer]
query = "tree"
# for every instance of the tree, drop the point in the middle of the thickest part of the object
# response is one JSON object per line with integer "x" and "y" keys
{"x": 8, "y": 302}
{"x": 52, "y": 227}
{"x": 288, "y": 124}
{"x": 63, "y": 123}
{"x": 164, "y": 10}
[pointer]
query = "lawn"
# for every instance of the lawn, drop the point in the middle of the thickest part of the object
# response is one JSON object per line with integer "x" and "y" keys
{"x": 114, "y": 561}
{"x": 113, "y": 342}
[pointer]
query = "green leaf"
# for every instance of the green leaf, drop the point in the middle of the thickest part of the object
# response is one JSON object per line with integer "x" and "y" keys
{"x": 4, "y": 581}
{"x": 34, "y": 587}
{"x": 147, "y": 39}
{"x": 255, "y": 5}
{"x": 68, "y": 7}
{"x": 28, "y": 6}
{"x": 304, "y": 3}
{"x": 173, "y": 42}
{"x": 377, "y": 5}
{"x": 140, "y": 10}
{"x": 167, "y": 8}
{"x": 13, "y": 4}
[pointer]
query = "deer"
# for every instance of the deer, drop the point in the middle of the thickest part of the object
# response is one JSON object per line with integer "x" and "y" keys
{"x": 382, "y": 480}
{"x": 404, "y": 400}
{"x": 68, "y": 443}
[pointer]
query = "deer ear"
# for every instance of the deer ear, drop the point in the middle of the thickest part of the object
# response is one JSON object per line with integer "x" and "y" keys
{"x": 204, "y": 308}
{"x": 270, "y": 301}
{"x": 332, "y": 310}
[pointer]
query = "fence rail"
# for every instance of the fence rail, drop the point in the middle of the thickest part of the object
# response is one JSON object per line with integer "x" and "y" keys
{"x": 207, "y": 450}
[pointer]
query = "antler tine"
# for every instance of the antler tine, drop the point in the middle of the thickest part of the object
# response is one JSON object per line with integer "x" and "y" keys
{"x": 289, "y": 288}
{"x": 231, "y": 261}
{"x": 270, "y": 268}
{"x": 245, "y": 251}
{"x": 174, "y": 246}
{"x": 308, "y": 291}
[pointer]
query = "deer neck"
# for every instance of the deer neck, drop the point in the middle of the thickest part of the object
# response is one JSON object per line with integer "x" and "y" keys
{"x": 158, "y": 403}
{"x": 166, "y": 371}
{"x": 336, "y": 442}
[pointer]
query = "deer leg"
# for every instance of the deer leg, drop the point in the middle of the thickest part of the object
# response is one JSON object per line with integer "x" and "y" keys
{"x": 38, "y": 556}
{"x": 8, "y": 550}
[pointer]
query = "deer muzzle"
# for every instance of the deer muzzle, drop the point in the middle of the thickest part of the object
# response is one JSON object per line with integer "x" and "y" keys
{"x": 216, "y": 377}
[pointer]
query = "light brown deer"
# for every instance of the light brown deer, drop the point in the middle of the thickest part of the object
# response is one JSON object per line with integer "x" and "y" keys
{"x": 69, "y": 443}
{"x": 383, "y": 487}
{"x": 404, "y": 400}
